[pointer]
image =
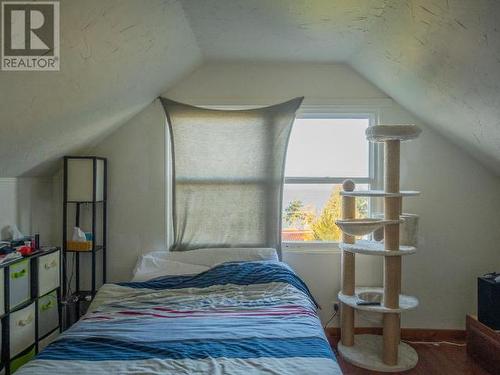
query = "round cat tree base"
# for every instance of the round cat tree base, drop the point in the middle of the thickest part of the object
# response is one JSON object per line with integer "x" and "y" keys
{"x": 367, "y": 353}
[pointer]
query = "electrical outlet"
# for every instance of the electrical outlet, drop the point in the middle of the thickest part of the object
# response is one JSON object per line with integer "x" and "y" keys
{"x": 335, "y": 306}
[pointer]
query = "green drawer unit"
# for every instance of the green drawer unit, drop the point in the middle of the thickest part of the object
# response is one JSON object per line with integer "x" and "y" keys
{"x": 22, "y": 333}
{"x": 48, "y": 314}
{"x": 19, "y": 283}
{"x": 49, "y": 277}
{"x": 22, "y": 359}
{"x": 29, "y": 320}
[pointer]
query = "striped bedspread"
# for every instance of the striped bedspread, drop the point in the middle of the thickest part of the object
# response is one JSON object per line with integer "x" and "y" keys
{"x": 236, "y": 318}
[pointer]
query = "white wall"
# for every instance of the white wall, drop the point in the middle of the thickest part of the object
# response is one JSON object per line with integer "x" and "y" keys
{"x": 458, "y": 206}
{"x": 29, "y": 203}
{"x": 270, "y": 83}
{"x": 136, "y": 190}
{"x": 8, "y": 203}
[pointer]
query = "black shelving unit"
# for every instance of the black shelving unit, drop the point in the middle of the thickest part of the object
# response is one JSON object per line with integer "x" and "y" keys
{"x": 73, "y": 300}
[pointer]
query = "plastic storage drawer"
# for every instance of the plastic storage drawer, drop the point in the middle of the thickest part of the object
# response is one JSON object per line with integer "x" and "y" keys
{"x": 22, "y": 359}
{"x": 22, "y": 329}
{"x": 19, "y": 283}
{"x": 48, "y": 272}
{"x": 43, "y": 343}
{"x": 48, "y": 314}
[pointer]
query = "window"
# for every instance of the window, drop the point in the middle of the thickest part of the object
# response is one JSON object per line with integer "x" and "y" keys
{"x": 323, "y": 151}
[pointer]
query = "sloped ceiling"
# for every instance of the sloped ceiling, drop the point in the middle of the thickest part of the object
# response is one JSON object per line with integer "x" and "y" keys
{"x": 441, "y": 60}
{"x": 438, "y": 58}
{"x": 116, "y": 56}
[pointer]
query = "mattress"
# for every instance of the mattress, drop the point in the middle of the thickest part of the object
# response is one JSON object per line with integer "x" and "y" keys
{"x": 235, "y": 318}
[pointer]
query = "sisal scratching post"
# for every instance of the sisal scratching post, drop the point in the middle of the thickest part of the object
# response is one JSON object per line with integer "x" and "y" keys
{"x": 392, "y": 269}
{"x": 348, "y": 268}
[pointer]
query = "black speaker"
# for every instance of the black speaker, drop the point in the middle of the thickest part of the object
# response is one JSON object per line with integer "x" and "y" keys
{"x": 488, "y": 295}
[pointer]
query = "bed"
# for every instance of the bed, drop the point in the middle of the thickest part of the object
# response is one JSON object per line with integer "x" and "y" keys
{"x": 238, "y": 317}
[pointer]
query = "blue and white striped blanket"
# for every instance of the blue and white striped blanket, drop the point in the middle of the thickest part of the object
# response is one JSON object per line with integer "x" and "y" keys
{"x": 236, "y": 318}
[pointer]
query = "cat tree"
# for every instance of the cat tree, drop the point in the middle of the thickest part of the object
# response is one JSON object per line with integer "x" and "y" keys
{"x": 379, "y": 353}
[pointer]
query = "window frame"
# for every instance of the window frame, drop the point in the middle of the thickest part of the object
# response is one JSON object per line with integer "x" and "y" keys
{"x": 375, "y": 166}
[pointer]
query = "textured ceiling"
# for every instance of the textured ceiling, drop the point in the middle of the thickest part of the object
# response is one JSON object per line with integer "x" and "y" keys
{"x": 441, "y": 60}
{"x": 116, "y": 56}
{"x": 281, "y": 30}
{"x": 438, "y": 58}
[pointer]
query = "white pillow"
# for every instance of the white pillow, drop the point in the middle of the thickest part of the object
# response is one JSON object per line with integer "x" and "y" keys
{"x": 149, "y": 267}
{"x": 213, "y": 256}
{"x": 162, "y": 263}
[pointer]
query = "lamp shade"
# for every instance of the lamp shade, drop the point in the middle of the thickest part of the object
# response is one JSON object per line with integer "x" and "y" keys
{"x": 85, "y": 175}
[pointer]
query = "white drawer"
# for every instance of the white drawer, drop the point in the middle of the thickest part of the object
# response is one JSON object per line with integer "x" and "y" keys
{"x": 43, "y": 343}
{"x": 19, "y": 283}
{"x": 22, "y": 329}
{"x": 48, "y": 272}
{"x": 48, "y": 314}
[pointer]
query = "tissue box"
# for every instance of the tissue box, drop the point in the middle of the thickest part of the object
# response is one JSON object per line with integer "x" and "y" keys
{"x": 79, "y": 245}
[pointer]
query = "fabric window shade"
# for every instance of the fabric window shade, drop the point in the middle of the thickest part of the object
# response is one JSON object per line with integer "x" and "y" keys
{"x": 228, "y": 170}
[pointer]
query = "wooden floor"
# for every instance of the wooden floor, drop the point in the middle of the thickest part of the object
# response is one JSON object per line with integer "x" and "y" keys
{"x": 433, "y": 360}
